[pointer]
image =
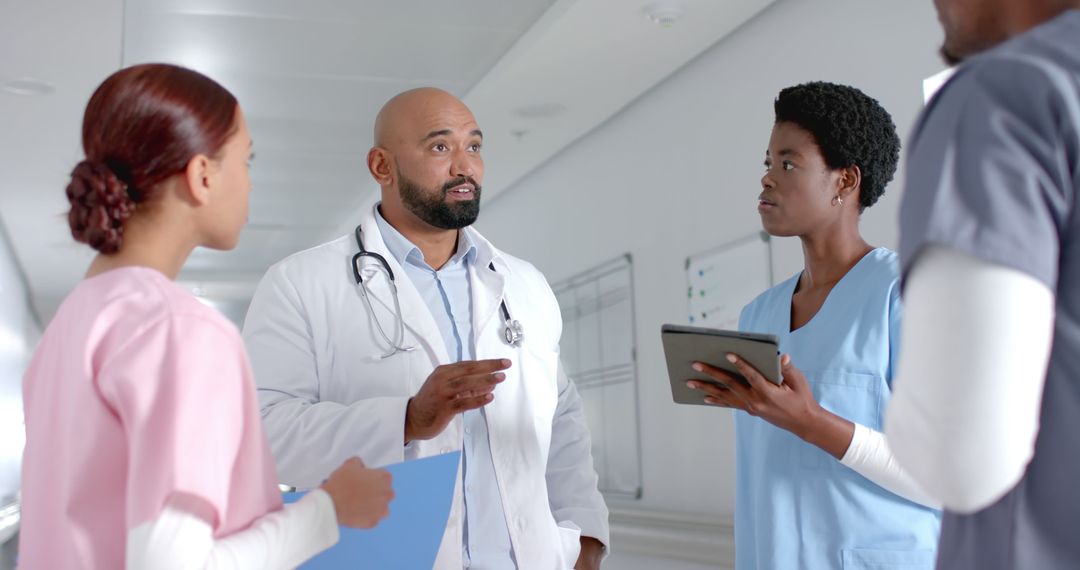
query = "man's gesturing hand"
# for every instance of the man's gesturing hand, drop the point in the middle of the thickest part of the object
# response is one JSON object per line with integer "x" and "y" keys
{"x": 450, "y": 390}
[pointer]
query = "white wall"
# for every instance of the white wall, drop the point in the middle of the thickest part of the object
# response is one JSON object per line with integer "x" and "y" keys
{"x": 677, "y": 172}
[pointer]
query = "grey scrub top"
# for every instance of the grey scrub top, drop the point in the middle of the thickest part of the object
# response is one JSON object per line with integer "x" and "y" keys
{"x": 993, "y": 172}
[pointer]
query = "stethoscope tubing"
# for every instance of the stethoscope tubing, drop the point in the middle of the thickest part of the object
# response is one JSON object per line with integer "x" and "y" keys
{"x": 513, "y": 332}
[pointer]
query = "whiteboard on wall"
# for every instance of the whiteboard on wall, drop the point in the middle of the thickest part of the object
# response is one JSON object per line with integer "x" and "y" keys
{"x": 721, "y": 281}
{"x": 598, "y": 352}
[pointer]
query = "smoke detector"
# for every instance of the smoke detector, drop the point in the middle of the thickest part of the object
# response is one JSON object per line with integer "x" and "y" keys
{"x": 663, "y": 14}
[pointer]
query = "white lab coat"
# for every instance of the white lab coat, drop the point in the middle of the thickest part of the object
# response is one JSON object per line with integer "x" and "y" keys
{"x": 326, "y": 394}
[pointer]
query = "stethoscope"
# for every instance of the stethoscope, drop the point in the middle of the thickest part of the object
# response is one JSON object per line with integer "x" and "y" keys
{"x": 513, "y": 332}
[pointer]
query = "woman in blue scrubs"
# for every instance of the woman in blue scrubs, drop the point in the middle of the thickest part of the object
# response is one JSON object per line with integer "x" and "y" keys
{"x": 817, "y": 487}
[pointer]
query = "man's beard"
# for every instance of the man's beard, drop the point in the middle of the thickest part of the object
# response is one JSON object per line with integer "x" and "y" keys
{"x": 951, "y": 59}
{"x": 432, "y": 206}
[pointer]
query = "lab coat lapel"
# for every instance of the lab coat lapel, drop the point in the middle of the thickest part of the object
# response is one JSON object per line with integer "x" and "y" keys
{"x": 489, "y": 288}
{"x": 418, "y": 320}
{"x": 488, "y": 291}
{"x": 487, "y": 294}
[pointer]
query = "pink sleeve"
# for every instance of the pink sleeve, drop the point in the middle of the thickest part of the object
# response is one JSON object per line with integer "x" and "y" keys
{"x": 179, "y": 390}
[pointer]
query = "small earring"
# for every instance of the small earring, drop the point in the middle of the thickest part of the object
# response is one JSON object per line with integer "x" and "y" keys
{"x": 837, "y": 200}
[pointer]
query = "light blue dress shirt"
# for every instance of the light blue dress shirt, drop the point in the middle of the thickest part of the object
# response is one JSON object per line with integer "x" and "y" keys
{"x": 447, "y": 293}
{"x": 796, "y": 506}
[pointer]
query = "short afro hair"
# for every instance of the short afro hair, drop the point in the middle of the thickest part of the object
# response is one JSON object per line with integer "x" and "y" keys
{"x": 850, "y": 127}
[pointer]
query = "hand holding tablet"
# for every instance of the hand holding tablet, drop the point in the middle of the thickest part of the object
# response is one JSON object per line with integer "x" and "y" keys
{"x": 685, "y": 345}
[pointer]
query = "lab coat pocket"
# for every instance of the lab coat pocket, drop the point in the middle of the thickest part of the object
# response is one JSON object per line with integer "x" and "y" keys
{"x": 874, "y": 559}
{"x": 570, "y": 539}
{"x": 854, "y": 396}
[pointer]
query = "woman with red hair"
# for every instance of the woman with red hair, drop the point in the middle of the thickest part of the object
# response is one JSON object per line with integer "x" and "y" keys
{"x": 144, "y": 443}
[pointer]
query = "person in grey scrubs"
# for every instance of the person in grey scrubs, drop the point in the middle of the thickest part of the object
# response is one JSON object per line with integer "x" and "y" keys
{"x": 986, "y": 410}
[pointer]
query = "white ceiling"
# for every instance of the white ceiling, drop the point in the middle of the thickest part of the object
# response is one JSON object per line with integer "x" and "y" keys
{"x": 311, "y": 75}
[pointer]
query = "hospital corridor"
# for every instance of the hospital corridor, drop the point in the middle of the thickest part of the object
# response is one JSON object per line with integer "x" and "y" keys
{"x": 540, "y": 284}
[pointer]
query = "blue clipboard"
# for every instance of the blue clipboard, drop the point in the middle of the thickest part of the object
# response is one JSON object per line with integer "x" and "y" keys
{"x": 409, "y": 538}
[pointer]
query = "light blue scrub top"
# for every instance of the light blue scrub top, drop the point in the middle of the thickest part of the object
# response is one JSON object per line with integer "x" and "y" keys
{"x": 796, "y": 506}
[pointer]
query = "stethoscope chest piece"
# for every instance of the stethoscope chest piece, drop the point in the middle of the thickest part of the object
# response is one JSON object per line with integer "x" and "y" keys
{"x": 513, "y": 333}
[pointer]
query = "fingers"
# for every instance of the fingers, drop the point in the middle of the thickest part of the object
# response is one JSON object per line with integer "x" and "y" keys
{"x": 376, "y": 505}
{"x": 717, "y": 395}
{"x": 450, "y": 390}
{"x": 475, "y": 381}
{"x": 718, "y": 374}
{"x": 793, "y": 377}
{"x": 471, "y": 386}
{"x": 382, "y": 480}
{"x": 726, "y": 402}
{"x": 733, "y": 382}
{"x": 471, "y": 403}
{"x": 709, "y": 388}
{"x": 750, "y": 373}
{"x": 385, "y": 479}
{"x": 466, "y": 379}
{"x": 471, "y": 368}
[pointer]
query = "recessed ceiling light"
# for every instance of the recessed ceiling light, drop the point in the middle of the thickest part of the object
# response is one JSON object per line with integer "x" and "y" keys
{"x": 541, "y": 110}
{"x": 28, "y": 86}
{"x": 663, "y": 14}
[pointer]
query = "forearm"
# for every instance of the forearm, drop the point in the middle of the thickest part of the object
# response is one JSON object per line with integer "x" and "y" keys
{"x": 310, "y": 440}
{"x": 180, "y": 539}
{"x": 827, "y": 431}
{"x": 863, "y": 450}
{"x": 311, "y": 435}
{"x": 965, "y": 410}
{"x": 869, "y": 455}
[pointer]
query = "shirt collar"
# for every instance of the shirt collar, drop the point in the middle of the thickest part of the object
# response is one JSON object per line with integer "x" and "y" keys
{"x": 404, "y": 251}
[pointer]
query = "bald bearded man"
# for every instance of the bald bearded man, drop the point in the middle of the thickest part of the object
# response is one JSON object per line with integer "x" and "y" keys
{"x": 462, "y": 355}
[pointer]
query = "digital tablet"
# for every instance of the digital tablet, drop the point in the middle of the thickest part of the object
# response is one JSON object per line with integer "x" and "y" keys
{"x": 684, "y": 346}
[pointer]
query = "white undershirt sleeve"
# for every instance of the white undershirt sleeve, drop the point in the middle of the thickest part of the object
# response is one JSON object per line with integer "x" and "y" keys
{"x": 180, "y": 539}
{"x": 869, "y": 455}
{"x": 965, "y": 408}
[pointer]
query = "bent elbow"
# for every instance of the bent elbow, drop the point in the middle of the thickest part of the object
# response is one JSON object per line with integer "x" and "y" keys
{"x": 979, "y": 483}
{"x": 964, "y": 480}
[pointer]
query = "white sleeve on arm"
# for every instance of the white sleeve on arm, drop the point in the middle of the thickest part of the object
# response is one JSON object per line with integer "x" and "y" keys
{"x": 965, "y": 408}
{"x": 181, "y": 540}
{"x": 571, "y": 477}
{"x": 869, "y": 455}
{"x": 309, "y": 436}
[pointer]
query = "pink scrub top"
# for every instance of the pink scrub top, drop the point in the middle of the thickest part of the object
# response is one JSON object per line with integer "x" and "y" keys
{"x": 138, "y": 394}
